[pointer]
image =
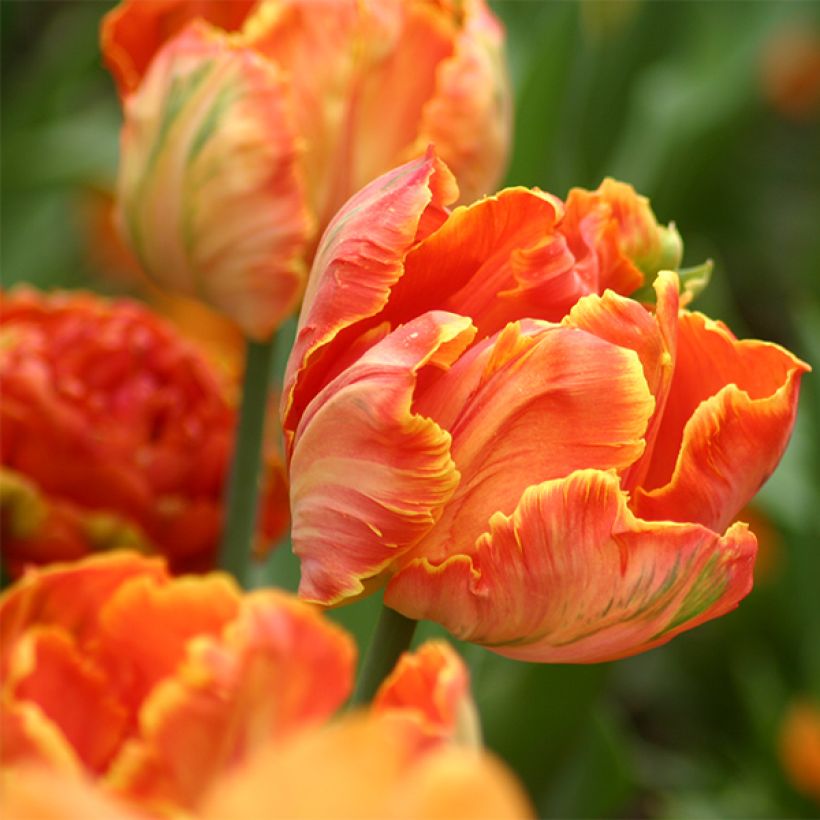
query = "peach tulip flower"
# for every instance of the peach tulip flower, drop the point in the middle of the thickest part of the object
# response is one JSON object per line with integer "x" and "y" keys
{"x": 115, "y": 432}
{"x": 248, "y": 124}
{"x": 477, "y": 417}
{"x": 133, "y": 692}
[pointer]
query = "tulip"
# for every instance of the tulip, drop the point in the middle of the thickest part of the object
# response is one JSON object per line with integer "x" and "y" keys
{"x": 248, "y": 124}
{"x": 128, "y": 685}
{"x": 115, "y": 432}
{"x": 479, "y": 418}
{"x": 153, "y": 685}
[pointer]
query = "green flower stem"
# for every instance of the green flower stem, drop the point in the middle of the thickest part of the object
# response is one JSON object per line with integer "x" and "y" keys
{"x": 393, "y": 635}
{"x": 243, "y": 486}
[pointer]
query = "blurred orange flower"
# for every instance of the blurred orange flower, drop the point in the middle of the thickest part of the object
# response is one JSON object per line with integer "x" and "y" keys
{"x": 239, "y": 142}
{"x": 115, "y": 432}
{"x": 800, "y": 747}
{"x": 555, "y": 490}
{"x": 155, "y": 685}
{"x": 186, "y": 696}
{"x": 790, "y": 71}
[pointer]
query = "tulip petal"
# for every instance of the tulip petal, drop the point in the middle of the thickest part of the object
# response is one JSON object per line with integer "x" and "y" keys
{"x": 573, "y": 576}
{"x": 360, "y": 257}
{"x": 653, "y": 337}
{"x": 616, "y": 239}
{"x": 468, "y": 118}
{"x": 278, "y": 667}
{"x": 150, "y": 623}
{"x": 367, "y": 767}
{"x": 39, "y": 793}
{"x": 69, "y": 597}
{"x": 369, "y": 475}
{"x": 432, "y": 684}
{"x": 531, "y": 404}
{"x": 48, "y": 670}
{"x": 132, "y": 33}
{"x": 728, "y": 418}
{"x": 496, "y": 260}
{"x": 29, "y": 736}
{"x": 210, "y": 191}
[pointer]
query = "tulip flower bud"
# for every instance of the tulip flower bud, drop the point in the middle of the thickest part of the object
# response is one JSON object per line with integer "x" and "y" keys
{"x": 246, "y": 129}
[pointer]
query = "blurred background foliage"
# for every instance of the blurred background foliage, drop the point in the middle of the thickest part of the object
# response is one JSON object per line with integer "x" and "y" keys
{"x": 712, "y": 109}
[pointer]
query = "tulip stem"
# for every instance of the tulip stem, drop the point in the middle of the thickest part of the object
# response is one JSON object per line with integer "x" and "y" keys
{"x": 393, "y": 636}
{"x": 243, "y": 486}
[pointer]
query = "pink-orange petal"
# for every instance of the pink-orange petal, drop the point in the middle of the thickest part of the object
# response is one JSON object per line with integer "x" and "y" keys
{"x": 433, "y": 684}
{"x": 29, "y": 736}
{"x": 368, "y": 475}
{"x": 360, "y": 258}
{"x": 728, "y": 419}
{"x": 653, "y": 336}
{"x": 49, "y": 670}
{"x": 573, "y": 577}
{"x": 469, "y": 116}
{"x": 278, "y": 668}
{"x": 69, "y": 596}
{"x": 145, "y": 627}
{"x": 132, "y": 32}
{"x": 496, "y": 260}
{"x": 531, "y": 404}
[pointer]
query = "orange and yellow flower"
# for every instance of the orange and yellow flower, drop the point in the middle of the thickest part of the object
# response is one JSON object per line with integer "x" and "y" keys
{"x": 247, "y": 125}
{"x": 140, "y": 692}
{"x": 115, "y": 432}
{"x": 478, "y": 417}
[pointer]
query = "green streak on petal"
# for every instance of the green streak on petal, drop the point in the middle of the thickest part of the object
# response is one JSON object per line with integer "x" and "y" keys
{"x": 707, "y": 590}
{"x": 224, "y": 100}
{"x": 181, "y": 90}
{"x": 210, "y": 122}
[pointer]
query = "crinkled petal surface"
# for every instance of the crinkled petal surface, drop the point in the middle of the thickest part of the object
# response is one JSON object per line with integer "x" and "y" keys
{"x": 573, "y": 576}
{"x": 534, "y": 403}
{"x": 278, "y": 667}
{"x": 68, "y": 596}
{"x": 432, "y": 683}
{"x": 725, "y": 425}
{"x": 369, "y": 475}
{"x": 360, "y": 258}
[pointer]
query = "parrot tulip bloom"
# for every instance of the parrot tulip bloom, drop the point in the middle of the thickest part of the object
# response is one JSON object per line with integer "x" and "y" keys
{"x": 246, "y": 128}
{"x": 477, "y": 418}
{"x": 157, "y": 688}
{"x": 154, "y": 685}
{"x": 115, "y": 432}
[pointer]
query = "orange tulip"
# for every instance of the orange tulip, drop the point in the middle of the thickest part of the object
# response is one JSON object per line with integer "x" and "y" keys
{"x": 247, "y": 127}
{"x": 115, "y": 432}
{"x": 547, "y": 473}
{"x": 138, "y": 691}
{"x": 363, "y": 766}
{"x": 431, "y": 687}
{"x": 367, "y": 767}
{"x": 155, "y": 685}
